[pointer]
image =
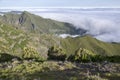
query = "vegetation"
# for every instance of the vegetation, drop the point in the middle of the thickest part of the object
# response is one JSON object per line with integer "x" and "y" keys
{"x": 29, "y": 50}
{"x": 52, "y": 70}
{"x": 88, "y": 42}
{"x": 31, "y": 53}
{"x": 82, "y": 55}
{"x": 56, "y": 53}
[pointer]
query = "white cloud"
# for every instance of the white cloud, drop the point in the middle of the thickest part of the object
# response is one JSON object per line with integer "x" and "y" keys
{"x": 104, "y": 25}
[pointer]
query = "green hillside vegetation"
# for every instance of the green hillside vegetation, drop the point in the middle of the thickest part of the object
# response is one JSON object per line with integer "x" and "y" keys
{"x": 14, "y": 41}
{"x": 21, "y": 44}
{"x": 30, "y": 49}
{"x": 92, "y": 44}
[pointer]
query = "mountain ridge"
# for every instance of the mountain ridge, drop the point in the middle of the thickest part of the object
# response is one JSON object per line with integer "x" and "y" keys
{"x": 33, "y": 23}
{"x": 44, "y": 40}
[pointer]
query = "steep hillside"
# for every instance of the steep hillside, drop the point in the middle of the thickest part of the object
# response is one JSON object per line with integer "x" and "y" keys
{"x": 18, "y": 31}
{"x": 11, "y": 40}
{"x": 33, "y": 23}
{"x": 92, "y": 44}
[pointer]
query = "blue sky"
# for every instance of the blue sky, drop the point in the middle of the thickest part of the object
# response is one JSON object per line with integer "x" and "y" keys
{"x": 59, "y": 3}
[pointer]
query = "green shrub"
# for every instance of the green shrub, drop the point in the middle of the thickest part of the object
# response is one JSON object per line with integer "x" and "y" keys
{"x": 31, "y": 53}
{"x": 56, "y": 53}
{"x": 82, "y": 55}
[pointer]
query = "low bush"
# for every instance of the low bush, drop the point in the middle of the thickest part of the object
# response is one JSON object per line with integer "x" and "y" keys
{"x": 30, "y": 53}
{"x": 56, "y": 53}
{"x": 82, "y": 55}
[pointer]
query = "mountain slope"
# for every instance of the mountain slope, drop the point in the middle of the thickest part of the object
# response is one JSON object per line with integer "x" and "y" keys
{"x": 11, "y": 40}
{"x": 92, "y": 44}
{"x": 21, "y": 30}
{"x": 33, "y": 23}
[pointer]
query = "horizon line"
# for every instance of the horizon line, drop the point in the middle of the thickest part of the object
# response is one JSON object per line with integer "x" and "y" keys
{"x": 58, "y": 7}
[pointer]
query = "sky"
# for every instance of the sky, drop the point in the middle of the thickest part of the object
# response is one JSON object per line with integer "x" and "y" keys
{"x": 59, "y": 3}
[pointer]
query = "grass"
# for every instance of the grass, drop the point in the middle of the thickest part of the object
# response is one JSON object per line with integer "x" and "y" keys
{"x": 92, "y": 44}
{"x": 52, "y": 70}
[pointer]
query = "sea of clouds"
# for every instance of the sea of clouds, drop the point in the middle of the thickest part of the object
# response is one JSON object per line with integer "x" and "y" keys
{"x": 102, "y": 23}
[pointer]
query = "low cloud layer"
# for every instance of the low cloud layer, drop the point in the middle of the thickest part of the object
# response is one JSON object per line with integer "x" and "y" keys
{"x": 103, "y": 25}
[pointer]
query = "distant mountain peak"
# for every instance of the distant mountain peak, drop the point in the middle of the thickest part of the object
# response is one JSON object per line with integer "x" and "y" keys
{"x": 33, "y": 23}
